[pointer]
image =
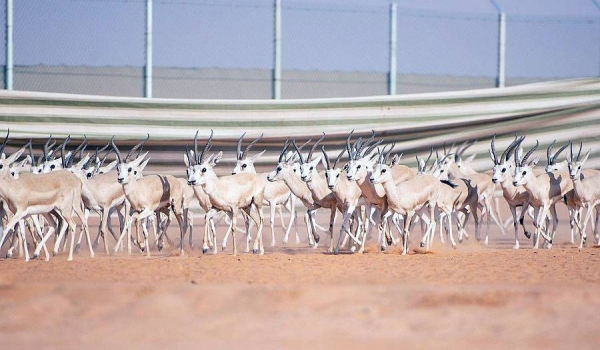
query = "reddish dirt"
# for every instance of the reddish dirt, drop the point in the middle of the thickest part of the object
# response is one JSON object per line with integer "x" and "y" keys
{"x": 297, "y": 297}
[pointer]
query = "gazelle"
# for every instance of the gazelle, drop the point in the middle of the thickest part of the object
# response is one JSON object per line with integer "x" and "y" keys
{"x": 277, "y": 194}
{"x": 447, "y": 169}
{"x": 544, "y": 191}
{"x": 407, "y": 198}
{"x": 515, "y": 196}
{"x": 58, "y": 192}
{"x": 232, "y": 193}
{"x": 587, "y": 190}
{"x": 321, "y": 194}
{"x": 561, "y": 168}
{"x": 348, "y": 195}
{"x": 287, "y": 170}
{"x": 148, "y": 194}
{"x": 359, "y": 169}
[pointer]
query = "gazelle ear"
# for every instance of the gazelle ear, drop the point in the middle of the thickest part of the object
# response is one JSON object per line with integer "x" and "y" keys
{"x": 186, "y": 161}
{"x": 216, "y": 159}
{"x": 585, "y": 157}
{"x": 144, "y": 163}
{"x": 534, "y": 162}
{"x": 15, "y": 156}
{"x": 109, "y": 167}
{"x": 324, "y": 162}
{"x": 258, "y": 155}
{"x": 318, "y": 159}
{"x": 492, "y": 155}
{"x": 82, "y": 162}
{"x": 471, "y": 157}
{"x": 24, "y": 162}
{"x": 139, "y": 159}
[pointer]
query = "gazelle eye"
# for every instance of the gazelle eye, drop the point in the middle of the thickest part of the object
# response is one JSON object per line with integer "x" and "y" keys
{"x": 338, "y": 175}
{"x": 383, "y": 170}
{"x": 129, "y": 170}
{"x": 12, "y": 173}
{"x": 244, "y": 166}
{"x": 278, "y": 169}
{"x": 503, "y": 170}
{"x": 52, "y": 166}
{"x": 524, "y": 173}
{"x": 358, "y": 167}
{"x": 203, "y": 170}
{"x": 311, "y": 168}
{"x": 1, "y": 166}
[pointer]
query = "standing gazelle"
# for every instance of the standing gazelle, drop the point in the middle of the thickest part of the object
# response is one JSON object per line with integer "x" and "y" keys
{"x": 148, "y": 194}
{"x": 277, "y": 194}
{"x": 586, "y": 189}
{"x": 232, "y": 193}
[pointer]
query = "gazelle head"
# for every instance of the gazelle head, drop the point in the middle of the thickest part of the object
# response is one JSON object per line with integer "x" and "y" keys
{"x": 308, "y": 166}
{"x": 553, "y": 165}
{"x": 7, "y": 162}
{"x": 442, "y": 166}
{"x": 524, "y": 169}
{"x": 382, "y": 172}
{"x": 200, "y": 170}
{"x": 332, "y": 172}
{"x": 422, "y": 164}
{"x": 576, "y": 163}
{"x": 503, "y": 166}
{"x": 244, "y": 163}
{"x": 60, "y": 163}
{"x": 129, "y": 170}
{"x": 95, "y": 165}
{"x": 287, "y": 162}
{"x": 361, "y": 160}
{"x": 464, "y": 165}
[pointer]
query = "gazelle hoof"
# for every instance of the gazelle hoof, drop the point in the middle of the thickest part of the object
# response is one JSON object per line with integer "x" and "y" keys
{"x": 35, "y": 256}
{"x": 77, "y": 247}
{"x": 254, "y": 251}
{"x": 454, "y": 245}
{"x": 382, "y": 248}
{"x": 8, "y": 255}
{"x": 528, "y": 234}
{"x": 389, "y": 241}
{"x": 204, "y": 250}
{"x": 422, "y": 245}
{"x": 54, "y": 253}
{"x": 273, "y": 244}
{"x": 317, "y": 239}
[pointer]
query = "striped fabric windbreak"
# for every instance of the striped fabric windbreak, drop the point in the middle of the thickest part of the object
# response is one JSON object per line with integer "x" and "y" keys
{"x": 560, "y": 110}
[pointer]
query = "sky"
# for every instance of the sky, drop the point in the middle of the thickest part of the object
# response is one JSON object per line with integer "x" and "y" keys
{"x": 549, "y": 38}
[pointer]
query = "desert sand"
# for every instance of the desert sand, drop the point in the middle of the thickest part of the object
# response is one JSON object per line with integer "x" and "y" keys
{"x": 297, "y": 297}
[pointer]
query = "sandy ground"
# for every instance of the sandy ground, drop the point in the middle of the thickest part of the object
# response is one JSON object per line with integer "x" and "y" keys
{"x": 297, "y": 297}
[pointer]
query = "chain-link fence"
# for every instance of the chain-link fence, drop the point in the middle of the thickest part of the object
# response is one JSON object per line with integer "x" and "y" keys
{"x": 215, "y": 49}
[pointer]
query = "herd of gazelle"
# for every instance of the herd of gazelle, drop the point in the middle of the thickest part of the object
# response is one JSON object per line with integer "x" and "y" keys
{"x": 370, "y": 190}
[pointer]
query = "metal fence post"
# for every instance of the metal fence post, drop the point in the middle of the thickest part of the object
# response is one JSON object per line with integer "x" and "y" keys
{"x": 8, "y": 72}
{"x": 393, "y": 41}
{"x": 501, "y": 49}
{"x": 276, "y": 93}
{"x": 148, "y": 67}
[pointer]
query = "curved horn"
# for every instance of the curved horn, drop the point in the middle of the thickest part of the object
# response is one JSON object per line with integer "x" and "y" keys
{"x": 196, "y": 148}
{"x": 240, "y": 154}
{"x": 298, "y": 151}
{"x": 62, "y": 152}
{"x": 429, "y": 156}
{"x": 348, "y": 147}
{"x": 136, "y": 147}
{"x": 579, "y": 153}
{"x": 285, "y": 147}
{"x": 339, "y": 157}
{"x": 5, "y": 141}
{"x": 549, "y": 153}
{"x": 33, "y": 161}
{"x": 207, "y": 146}
{"x": 249, "y": 147}
{"x": 493, "y": 147}
{"x": 308, "y": 159}
{"x": 537, "y": 143}
{"x": 368, "y": 142}
{"x": 326, "y": 158}
{"x": 47, "y": 147}
{"x": 117, "y": 152}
